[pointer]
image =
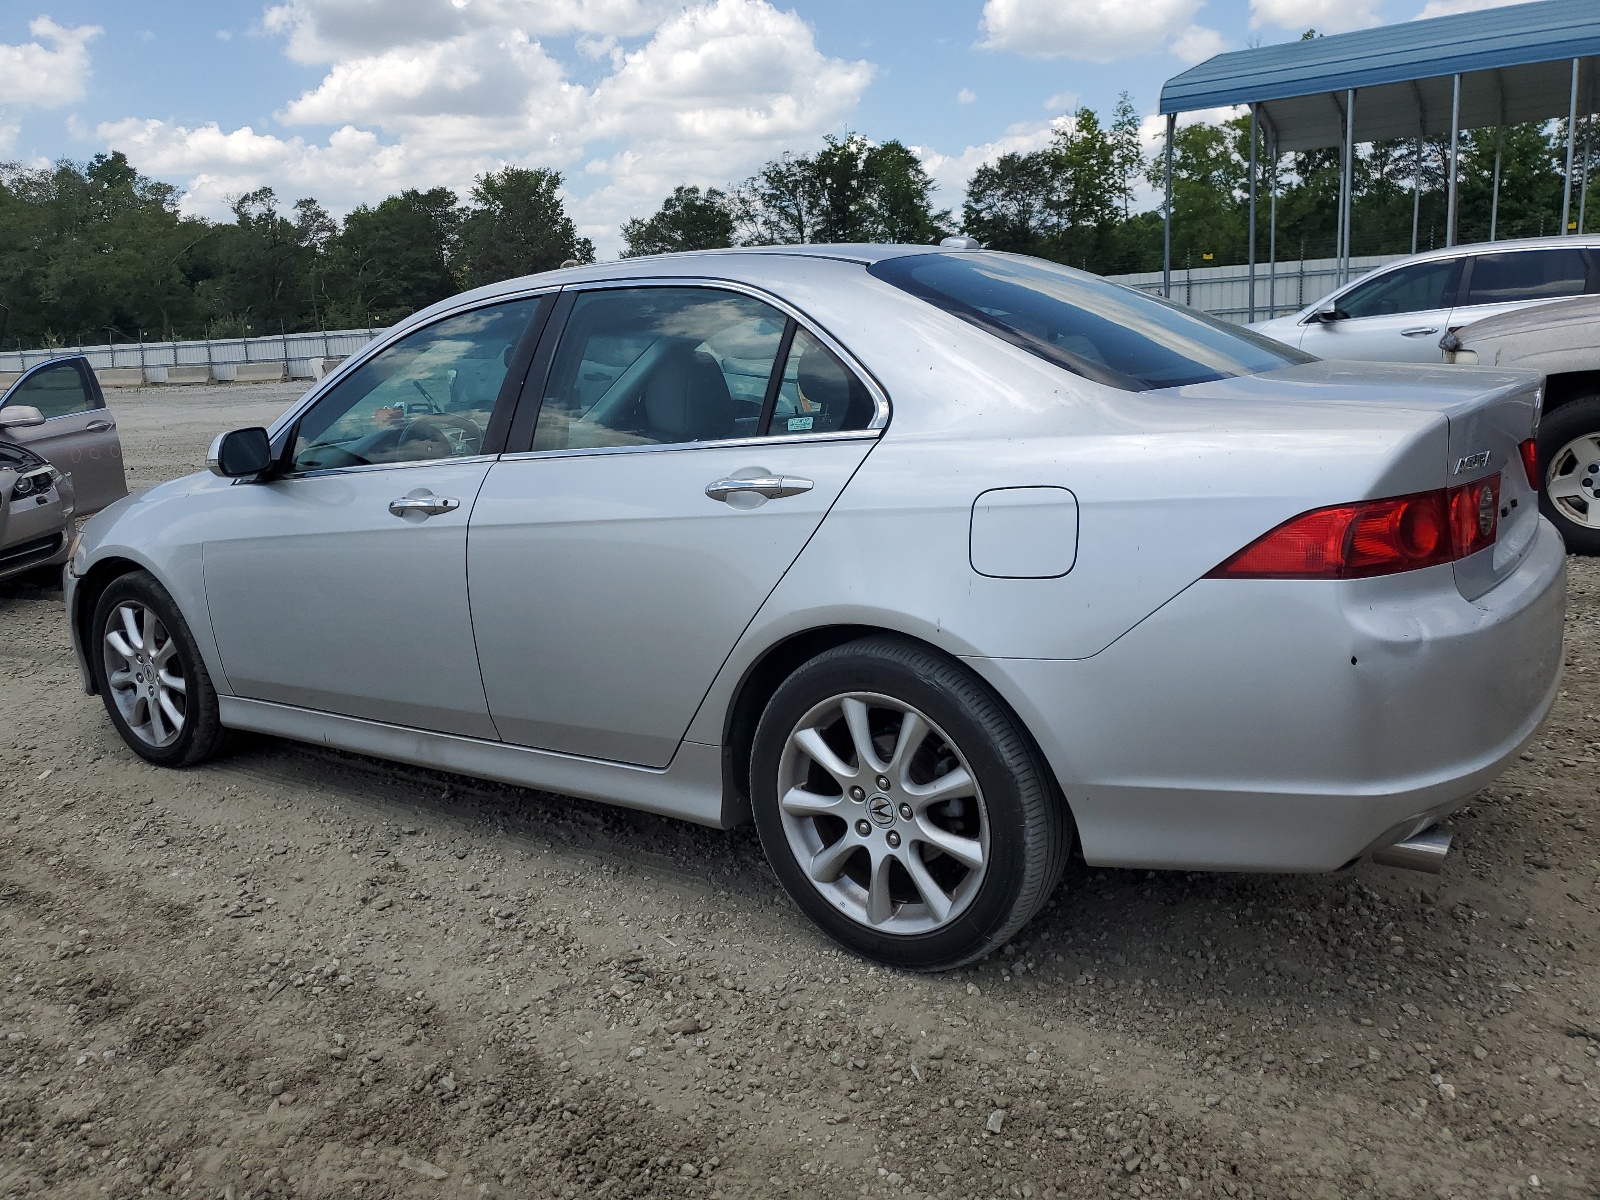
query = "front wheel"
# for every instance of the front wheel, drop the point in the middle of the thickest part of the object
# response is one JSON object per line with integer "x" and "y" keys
{"x": 1569, "y": 458}
{"x": 902, "y": 808}
{"x": 150, "y": 674}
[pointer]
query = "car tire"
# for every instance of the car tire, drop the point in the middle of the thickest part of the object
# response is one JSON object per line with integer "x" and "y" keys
{"x": 150, "y": 675}
{"x": 1563, "y": 435}
{"x": 955, "y": 855}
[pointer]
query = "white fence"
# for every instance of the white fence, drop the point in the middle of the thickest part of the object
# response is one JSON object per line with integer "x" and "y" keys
{"x": 1225, "y": 291}
{"x": 301, "y": 356}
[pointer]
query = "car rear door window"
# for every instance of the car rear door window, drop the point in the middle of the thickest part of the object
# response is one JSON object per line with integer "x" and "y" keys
{"x": 430, "y": 395}
{"x": 1521, "y": 276}
{"x": 57, "y": 391}
{"x": 659, "y": 366}
{"x": 1418, "y": 287}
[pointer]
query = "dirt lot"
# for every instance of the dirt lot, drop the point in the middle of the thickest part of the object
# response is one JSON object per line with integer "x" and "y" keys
{"x": 303, "y": 973}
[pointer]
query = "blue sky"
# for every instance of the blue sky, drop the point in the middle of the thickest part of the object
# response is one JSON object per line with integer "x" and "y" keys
{"x": 350, "y": 100}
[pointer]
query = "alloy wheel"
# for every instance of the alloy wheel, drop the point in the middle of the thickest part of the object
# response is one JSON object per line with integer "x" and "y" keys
{"x": 883, "y": 813}
{"x": 1572, "y": 480}
{"x": 145, "y": 673}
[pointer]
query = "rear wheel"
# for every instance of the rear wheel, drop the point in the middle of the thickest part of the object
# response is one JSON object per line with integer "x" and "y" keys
{"x": 151, "y": 676}
{"x": 902, "y": 808}
{"x": 1569, "y": 460}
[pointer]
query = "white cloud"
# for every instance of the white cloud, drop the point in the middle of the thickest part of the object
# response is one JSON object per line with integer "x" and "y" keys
{"x": 715, "y": 91}
{"x": 1197, "y": 43}
{"x": 1444, "y": 8}
{"x": 1325, "y": 16}
{"x": 1089, "y": 30}
{"x": 328, "y": 31}
{"x": 966, "y": 96}
{"x": 50, "y": 71}
{"x": 1062, "y": 102}
{"x": 951, "y": 171}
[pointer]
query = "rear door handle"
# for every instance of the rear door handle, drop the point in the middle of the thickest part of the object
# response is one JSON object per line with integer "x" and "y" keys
{"x": 98, "y": 426}
{"x": 1419, "y": 332}
{"x": 770, "y": 486}
{"x": 423, "y": 506}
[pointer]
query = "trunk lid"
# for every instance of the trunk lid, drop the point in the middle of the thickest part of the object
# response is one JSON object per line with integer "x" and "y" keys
{"x": 1489, "y": 413}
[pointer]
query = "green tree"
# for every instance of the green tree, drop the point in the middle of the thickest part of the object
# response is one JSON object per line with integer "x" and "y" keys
{"x": 393, "y": 258}
{"x": 264, "y": 265}
{"x": 689, "y": 219}
{"x": 1009, "y": 204}
{"x": 852, "y": 190}
{"x": 518, "y": 225}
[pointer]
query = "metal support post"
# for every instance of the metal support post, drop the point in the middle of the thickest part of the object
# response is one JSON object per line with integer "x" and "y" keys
{"x": 1166, "y": 215}
{"x": 1347, "y": 199}
{"x": 1494, "y": 203}
{"x": 1272, "y": 230}
{"x": 1252, "y": 254}
{"x": 1583, "y": 192}
{"x": 1572, "y": 129}
{"x": 1416, "y": 196}
{"x": 1455, "y": 156}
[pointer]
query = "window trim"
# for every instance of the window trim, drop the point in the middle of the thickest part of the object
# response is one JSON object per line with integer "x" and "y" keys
{"x": 524, "y": 423}
{"x": 500, "y": 418}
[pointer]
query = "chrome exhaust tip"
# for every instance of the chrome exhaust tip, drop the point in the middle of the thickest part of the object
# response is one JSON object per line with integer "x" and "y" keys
{"x": 1424, "y": 851}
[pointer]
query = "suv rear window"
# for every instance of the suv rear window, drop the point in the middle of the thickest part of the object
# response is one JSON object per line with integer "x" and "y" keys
{"x": 1105, "y": 332}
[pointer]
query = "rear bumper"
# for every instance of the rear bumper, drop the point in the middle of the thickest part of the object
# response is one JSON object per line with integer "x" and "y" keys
{"x": 1294, "y": 725}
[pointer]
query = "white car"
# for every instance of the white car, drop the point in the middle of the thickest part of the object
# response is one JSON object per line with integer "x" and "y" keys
{"x": 935, "y": 561}
{"x": 1399, "y": 312}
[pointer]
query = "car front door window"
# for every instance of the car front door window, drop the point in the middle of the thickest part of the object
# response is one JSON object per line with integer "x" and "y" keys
{"x": 56, "y": 391}
{"x": 428, "y": 396}
{"x": 1419, "y": 287}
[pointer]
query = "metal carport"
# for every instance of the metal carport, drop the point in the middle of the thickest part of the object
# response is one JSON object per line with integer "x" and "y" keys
{"x": 1524, "y": 62}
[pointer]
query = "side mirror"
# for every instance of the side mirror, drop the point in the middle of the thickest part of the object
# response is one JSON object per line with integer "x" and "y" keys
{"x": 240, "y": 453}
{"x": 21, "y": 416}
{"x": 1329, "y": 313}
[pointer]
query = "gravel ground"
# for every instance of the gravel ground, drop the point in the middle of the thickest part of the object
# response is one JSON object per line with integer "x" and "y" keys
{"x": 298, "y": 972}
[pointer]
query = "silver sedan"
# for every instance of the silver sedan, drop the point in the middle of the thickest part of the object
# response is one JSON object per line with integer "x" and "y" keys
{"x": 936, "y": 562}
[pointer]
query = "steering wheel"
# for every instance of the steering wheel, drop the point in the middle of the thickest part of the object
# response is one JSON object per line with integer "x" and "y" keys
{"x": 429, "y": 431}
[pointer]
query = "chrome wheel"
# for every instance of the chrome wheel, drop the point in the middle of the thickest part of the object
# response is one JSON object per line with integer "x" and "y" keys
{"x": 1572, "y": 480}
{"x": 145, "y": 673}
{"x": 883, "y": 813}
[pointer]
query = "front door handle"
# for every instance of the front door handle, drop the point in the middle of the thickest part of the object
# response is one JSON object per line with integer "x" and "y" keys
{"x": 1419, "y": 332}
{"x": 423, "y": 506}
{"x": 770, "y": 486}
{"x": 98, "y": 426}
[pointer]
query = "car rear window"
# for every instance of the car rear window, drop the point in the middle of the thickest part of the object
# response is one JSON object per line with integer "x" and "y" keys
{"x": 1100, "y": 330}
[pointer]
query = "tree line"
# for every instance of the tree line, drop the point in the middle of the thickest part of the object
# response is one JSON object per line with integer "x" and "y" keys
{"x": 97, "y": 252}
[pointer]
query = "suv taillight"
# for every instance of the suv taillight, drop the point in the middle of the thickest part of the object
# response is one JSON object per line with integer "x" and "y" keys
{"x": 1374, "y": 537}
{"x": 1530, "y": 461}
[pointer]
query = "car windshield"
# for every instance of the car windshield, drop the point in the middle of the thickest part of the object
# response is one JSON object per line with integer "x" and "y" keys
{"x": 1100, "y": 330}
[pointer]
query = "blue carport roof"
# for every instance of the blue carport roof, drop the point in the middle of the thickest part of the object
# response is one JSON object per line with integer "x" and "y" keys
{"x": 1515, "y": 63}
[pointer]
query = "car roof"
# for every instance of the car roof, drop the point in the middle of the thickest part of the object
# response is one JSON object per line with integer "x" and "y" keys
{"x": 1590, "y": 240}
{"x": 739, "y": 264}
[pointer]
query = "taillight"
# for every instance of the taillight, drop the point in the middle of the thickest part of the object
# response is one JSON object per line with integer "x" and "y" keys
{"x": 1374, "y": 537}
{"x": 1530, "y": 461}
